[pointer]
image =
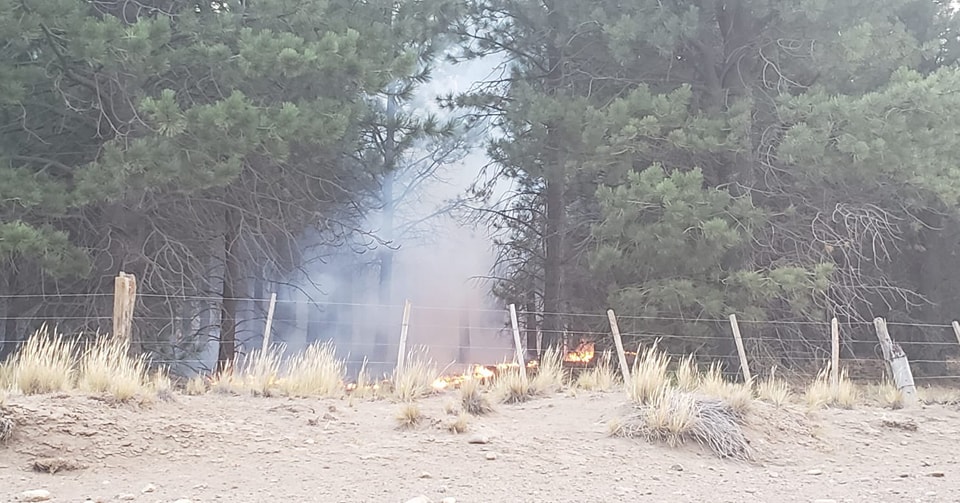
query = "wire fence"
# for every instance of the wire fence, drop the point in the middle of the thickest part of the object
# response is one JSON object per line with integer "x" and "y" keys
{"x": 182, "y": 332}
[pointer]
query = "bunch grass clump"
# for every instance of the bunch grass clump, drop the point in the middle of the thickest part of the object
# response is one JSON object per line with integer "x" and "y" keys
{"x": 472, "y": 399}
{"x": 649, "y": 377}
{"x": 106, "y": 367}
{"x": 44, "y": 364}
{"x": 460, "y": 424}
{"x": 196, "y": 385}
{"x": 415, "y": 379}
{"x": 601, "y": 377}
{"x": 774, "y": 391}
{"x": 890, "y": 396}
{"x": 686, "y": 376}
{"x": 512, "y": 385}
{"x": 409, "y": 416}
{"x": 822, "y": 393}
{"x": 675, "y": 417}
{"x": 550, "y": 375}
{"x": 316, "y": 372}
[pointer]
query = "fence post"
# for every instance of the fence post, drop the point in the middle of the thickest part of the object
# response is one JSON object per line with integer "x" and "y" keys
{"x": 404, "y": 328}
{"x": 835, "y": 353}
{"x": 615, "y": 328}
{"x": 124, "y": 300}
{"x": 269, "y": 326}
{"x": 956, "y": 330}
{"x": 896, "y": 362}
{"x": 517, "y": 343}
{"x": 744, "y": 367}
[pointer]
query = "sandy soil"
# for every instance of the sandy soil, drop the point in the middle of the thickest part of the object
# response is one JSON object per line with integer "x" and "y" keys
{"x": 556, "y": 449}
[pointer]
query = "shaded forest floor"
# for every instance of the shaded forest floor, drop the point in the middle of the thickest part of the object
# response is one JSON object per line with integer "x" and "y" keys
{"x": 247, "y": 449}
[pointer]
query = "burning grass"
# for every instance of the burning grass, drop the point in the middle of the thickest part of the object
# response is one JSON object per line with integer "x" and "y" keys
{"x": 675, "y": 417}
{"x": 602, "y": 377}
{"x": 44, "y": 364}
{"x": 821, "y": 393}
{"x": 315, "y": 372}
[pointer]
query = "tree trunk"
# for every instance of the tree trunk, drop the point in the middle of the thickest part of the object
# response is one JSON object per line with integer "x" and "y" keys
{"x": 381, "y": 339}
{"x": 553, "y": 264}
{"x": 231, "y": 289}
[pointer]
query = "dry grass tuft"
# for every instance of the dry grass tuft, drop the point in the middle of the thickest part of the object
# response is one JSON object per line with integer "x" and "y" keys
{"x": 414, "y": 380}
{"x": 890, "y": 396}
{"x": 938, "y": 395}
{"x": 649, "y": 378}
{"x": 472, "y": 398}
{"x": 602, "y": 377}
{"x": 511, "y": 385}
{"x": 6, "y": 376}
{"x": 363, "y": 388}
{"x": 821, "y": 393}
{"x": 197, "y": 385}
{"x": 550, "y": 374}
{"x": 774, "y": 391}
{"x": 316, "y": 372}
{"x": 161, "y": 384}
{"x": 675, "y": 417}
{"x": 226, "y": 381}
{"x": 738, "y": 396}
{"x": 54, "y": 465}
{"x": 44, "y": 364}
{"x": 409, "y": 416}
{"x": 460, "y": 424}
{"x": 260, "y": 373}
{"x": 686, "y": 375}
{"x": 105, "y": 367}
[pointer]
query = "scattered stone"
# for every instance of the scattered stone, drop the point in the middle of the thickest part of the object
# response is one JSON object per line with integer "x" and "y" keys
{"x": 149, "y": 488}
{"x": 425, "y": 475}
{"x": 478, "y": 439}
{"x": 491, "y": 456}
{"x": 419, "y": 499}
{"x": 35, "y": 495}
{"x": 774, "y": 475}
{"x": 677, "y": 467}
{"x": 900, "y": 424}
{"x": 448, "y": 499}
{"x": 936, "y": 474}
{"x": 126, "y": 497}
{"x": 815, "y": 471}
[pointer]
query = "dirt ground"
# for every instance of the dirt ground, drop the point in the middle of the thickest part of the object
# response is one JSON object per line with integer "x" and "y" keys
{"x": 555, "y": 449}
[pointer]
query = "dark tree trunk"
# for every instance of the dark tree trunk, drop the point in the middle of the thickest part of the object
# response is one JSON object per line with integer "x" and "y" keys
{"x": 231, "y": 290}
{"x": 381, "y": 339}
{"x": 553, "y": 265}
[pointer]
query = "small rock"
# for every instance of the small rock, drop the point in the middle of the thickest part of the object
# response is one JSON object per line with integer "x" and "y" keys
{"x": 936, "y": 474}
{"x": 677, "y": 467}
{"x": 774, "y": 475}
{"x": 491, "y": 456}
{"x": 815, "y": 471}
{"x": 149, "y": 488}
{"x": 126, "y": 497}
{"x": 35, "y": 495}
{"x": 448, "y": 499}
{"x": 478, "y": 439}
{"x": 425, "y": 475}
{"x": 419, "y": 499}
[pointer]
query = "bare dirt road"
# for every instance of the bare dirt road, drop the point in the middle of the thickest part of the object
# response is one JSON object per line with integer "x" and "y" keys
{"x": 555, "y": 449}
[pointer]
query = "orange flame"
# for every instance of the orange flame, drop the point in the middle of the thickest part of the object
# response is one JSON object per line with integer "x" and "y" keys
{"x": 476, "y": 372}
{"x": 583, "y": 354}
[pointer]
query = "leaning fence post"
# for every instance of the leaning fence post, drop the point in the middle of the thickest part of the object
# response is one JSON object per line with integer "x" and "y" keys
{"x": 124, "y": 300}
{"x": 271, "y": 308}
{"x": 835, "y": 354}
{"x": 517, "y": 344}
{"x": 744, "y": 367}
{"x": 896, "y": 362}
{"x": 404, "y": 329}
{"x": 615, "y": 328}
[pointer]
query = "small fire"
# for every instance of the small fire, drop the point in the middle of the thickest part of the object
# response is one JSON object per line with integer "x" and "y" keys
{"x": 477, "y": 372}
{"x": 583, "y": 354}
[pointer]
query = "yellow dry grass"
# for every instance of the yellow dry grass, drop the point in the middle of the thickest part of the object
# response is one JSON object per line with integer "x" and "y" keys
{"x": 938, "y": 395}
{"x": 671, "y": 416}
{"x": 197, "y": 385}
{"x": 512, "y": 385}
{"x": 649, "y": 377}
{"x": 550, "y": 374}
{"x": 774, "y": 391}
{"x": 460, "y": 424}
{"x": 472, "y": 399}
{"x": 105, "y": 367}
{"x": 44, "y": 364}
{"x": 161, "y": 385}
{"x": 602, "y": 377}
{"x": 316, "y": 372}
{"x": 889, "y": 395}
{"x": 686, "y": 376}
{"x": 415, "y": 379}
{"x": 260, "y": 372}
{"x": 738, "y": 396}
{"x": 821, "y": 393}
{"x": 408, "y": 416}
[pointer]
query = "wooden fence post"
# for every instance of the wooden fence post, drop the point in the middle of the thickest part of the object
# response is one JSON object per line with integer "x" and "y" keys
{"x": 744, "y": 367}
{"x": 896, "y": 362}
{"x": 615, "y": 328}
{"x": 404, "y": 328}
{"x": 517, "y": 343}
{"x": 835, "y": 353}
{"x": 269, "y": 326}
{"x": 956, "y": 330}
{"x": 124, "y": 300}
